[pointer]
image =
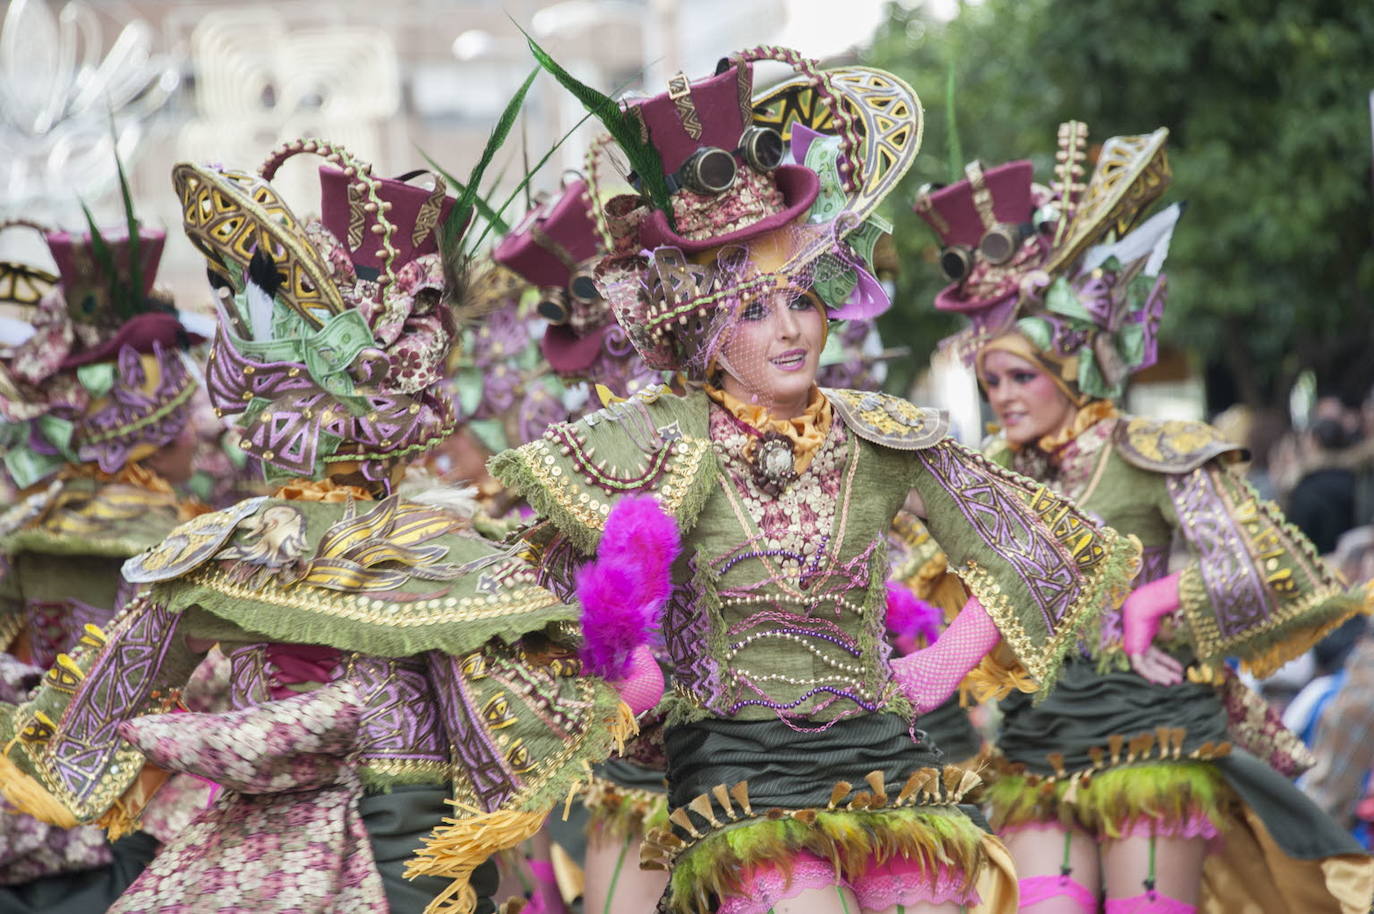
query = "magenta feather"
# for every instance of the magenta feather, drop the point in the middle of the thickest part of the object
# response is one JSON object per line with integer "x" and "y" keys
{"x": 623, "y": 591}
{"x": 909, "y": 617}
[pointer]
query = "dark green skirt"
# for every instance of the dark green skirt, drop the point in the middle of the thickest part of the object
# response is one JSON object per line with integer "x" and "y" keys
{"x": 1086, "y": 709}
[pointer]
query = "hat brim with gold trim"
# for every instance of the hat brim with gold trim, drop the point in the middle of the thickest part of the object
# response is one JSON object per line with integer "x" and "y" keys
{"x": 330, "y": 350}
{"x": 859, "y": 130}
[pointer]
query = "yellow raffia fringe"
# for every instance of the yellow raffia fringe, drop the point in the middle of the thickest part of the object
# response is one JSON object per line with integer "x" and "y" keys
{"x": 31, "y": 798}
{"x": 462, "y": 844}
{"x": 994, "y": 678}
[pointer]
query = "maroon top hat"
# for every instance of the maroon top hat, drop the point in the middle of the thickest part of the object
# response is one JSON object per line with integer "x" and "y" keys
{"x": 417, "y": 212}
{"x": 81, "y": 275}
{"x": 553, "y": 238}
{"x": 727, "y": 181}
{"x": 988, "y": 241}
{"x": 963, "y": 212}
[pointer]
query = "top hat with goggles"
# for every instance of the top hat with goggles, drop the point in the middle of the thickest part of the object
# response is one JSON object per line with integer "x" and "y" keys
{"x": 727, "y": 176}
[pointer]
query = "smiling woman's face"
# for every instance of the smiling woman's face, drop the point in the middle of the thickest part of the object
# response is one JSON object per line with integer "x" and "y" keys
{"x": 773, "y": 352}
{"x": 1027, "y": 402}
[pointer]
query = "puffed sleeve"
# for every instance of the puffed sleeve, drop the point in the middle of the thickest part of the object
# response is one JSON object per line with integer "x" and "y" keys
{"x": 1255, "y": 587}
{"x": 1041, "y": 568}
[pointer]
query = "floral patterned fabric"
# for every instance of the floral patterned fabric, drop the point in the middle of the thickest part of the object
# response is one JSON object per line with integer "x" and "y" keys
{"x": 286, "y": 836}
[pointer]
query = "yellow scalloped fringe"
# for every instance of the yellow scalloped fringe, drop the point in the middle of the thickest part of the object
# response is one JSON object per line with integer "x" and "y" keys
{"x": 31, "y": 798}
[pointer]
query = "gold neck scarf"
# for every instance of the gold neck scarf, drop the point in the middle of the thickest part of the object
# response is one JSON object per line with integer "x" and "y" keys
{"x": 1086, "y": 418}
{"x": 807, "y": 431}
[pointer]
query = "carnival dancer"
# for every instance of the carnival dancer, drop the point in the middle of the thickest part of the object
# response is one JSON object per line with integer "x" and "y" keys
{"x": 94, "y": 427}
{"x": 555, "y": 248}
{"x": 1116, "y": 783}
{"x": 395, "y": 675}
{"x": 794, "y": 780}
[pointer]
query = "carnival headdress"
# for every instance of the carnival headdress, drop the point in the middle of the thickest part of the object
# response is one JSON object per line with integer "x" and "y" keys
{"x": 333, "y": 334}
{"x": 1070, "y": 268}
{"x": 92, "y": 372}
{"x": 721, "y": 168}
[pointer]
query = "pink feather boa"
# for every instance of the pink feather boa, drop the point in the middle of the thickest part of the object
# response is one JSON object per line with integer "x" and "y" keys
{"x": 910, "y": 618}
{"x": 624, "y": 589}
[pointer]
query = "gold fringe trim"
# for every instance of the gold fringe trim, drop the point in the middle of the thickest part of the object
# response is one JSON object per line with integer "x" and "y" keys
{"x": 924, "y": 788}
{"x": 462, "y": 844}
{"x": 30, "y": 797}
{"x": 126, "y": 813}
{"x": 1268, "y": 661}
{"x": 995, "y": 677}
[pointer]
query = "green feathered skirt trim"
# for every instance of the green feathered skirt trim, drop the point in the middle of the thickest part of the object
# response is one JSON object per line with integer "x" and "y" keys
{"x": 852, "y": 840}
{"x": 1174, "y": 795}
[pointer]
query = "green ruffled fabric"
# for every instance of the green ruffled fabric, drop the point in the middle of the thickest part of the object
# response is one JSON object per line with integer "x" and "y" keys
{"x": 495, "y": 595}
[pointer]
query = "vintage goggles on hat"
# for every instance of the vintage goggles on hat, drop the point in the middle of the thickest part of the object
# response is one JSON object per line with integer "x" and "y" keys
{"x": 998, "y": 245}
{"x": 712, "y": 170}
{"x": 555, "y": 305}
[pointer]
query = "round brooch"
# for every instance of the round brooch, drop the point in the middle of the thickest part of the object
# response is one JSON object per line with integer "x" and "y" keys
{"x": 773, "y": 463}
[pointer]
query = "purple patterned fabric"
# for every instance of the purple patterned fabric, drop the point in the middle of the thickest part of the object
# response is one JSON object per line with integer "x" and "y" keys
{"x": 30, "y": 849}
{"x": 301, "y": 412}
{"x": 1011, "y": 528}
{"x": 295, "y": 844}
{"x": 1237, "y": 592}
{"x": 132, "y": 417}
{"x": 121, "y": 679}
{"x": 400, "y": 719}
{"x": 55, "y": 627}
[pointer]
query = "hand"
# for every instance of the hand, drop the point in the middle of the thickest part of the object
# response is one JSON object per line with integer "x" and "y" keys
{"x": 1157, "y": 667}
{"x": 1143, "y": 611}
{"x": 642, "y": 686}
{"x": 929, "y": 676}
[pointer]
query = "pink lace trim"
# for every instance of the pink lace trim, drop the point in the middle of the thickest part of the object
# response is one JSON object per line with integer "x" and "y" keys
{"x": 901, "y": 881}
{"x": 1035, "y": 889}
{"x": 1197, "y": 825}
{"x": 1149, "y": 903}
{"x": 765, "y": 885}
{"x": 897, "y": 882}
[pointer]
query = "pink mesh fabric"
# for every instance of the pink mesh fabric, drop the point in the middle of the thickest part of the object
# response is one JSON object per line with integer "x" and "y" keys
{"x": 1144, "y": 609}
{"x": 1035, "y": 889}
{"x": 1149, "y": 903}
{"x": 929, "y": 676}
{"x": 642, "y": 686}
{"x": 900, "y": 881}
{"x": 767, "y": 884}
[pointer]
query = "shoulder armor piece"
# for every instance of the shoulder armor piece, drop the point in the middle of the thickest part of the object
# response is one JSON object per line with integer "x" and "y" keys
{"x": 190, "y": 545}
{"x": 887, "y": 420}
{"x": 1170, "y": 446}
{"x": 653, "y": 443}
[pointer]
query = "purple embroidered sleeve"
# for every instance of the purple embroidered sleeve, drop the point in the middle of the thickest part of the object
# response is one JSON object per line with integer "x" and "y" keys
{"x": 68, "y": 736}
{"x": 1256, "y": 587}
{"x": 1041, "y": 568}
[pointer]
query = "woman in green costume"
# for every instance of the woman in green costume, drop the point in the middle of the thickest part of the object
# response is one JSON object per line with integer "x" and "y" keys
{"x": 795, "y": 780}
{"x": 1115, "y": 784}
{"x": 407, "y": 699}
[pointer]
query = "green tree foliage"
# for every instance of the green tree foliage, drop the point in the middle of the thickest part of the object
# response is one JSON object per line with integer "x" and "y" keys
{"x": 1267, "y": 101}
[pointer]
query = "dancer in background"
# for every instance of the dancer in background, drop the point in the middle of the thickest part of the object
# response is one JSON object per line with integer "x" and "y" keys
{"x": 95, "y": 410}
{"x": 795, "y": 782}
{"x": 555, "y": 248}
{"x": 1116, "y": 783}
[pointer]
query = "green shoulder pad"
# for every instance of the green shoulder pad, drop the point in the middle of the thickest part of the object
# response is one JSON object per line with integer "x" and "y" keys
{"x": 887, "y": 420}
{"x": 655, "y": 443}
{"x": 1170, "y": 446}
{"x": 389, "y": 578}
{"x": 84, "y": 516}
